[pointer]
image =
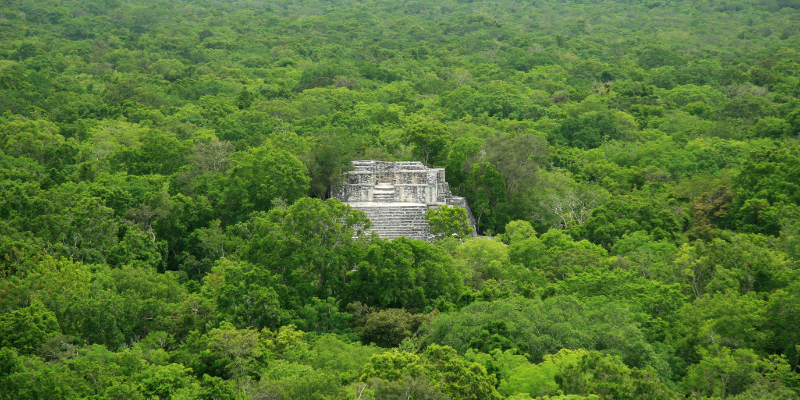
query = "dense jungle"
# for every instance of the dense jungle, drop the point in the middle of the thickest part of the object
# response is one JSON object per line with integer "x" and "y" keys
{"x": 167, "y": 231}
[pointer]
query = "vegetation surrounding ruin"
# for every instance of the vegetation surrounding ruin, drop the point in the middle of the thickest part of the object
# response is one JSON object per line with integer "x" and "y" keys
{"x": 166, "y": 229}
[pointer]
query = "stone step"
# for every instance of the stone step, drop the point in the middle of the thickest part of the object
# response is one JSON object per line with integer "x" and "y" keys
{"x": 391, "y": 222}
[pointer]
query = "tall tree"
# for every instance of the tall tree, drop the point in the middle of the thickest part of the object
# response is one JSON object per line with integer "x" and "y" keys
{"x": 430, "y": 141}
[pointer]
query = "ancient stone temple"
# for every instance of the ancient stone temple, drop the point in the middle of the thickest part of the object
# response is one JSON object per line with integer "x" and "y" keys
{"x": 396, "y": 195}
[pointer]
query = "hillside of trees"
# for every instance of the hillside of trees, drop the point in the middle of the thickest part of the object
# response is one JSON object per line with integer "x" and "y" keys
{"x": 166, "y": 230}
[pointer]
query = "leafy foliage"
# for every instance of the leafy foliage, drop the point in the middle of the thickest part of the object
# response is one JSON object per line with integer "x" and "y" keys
{"x": 166, "y": 229}
{"x": 446, "y": 222}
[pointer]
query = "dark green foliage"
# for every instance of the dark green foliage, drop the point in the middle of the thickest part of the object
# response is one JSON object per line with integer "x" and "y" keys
{"x": 537, "y": 328}
{"x": 261, "y": 176}
{"x": 402, "y": 273}
{"x": 430, "y": 141}
{"x": 312, "y": 246}
{"x": 637, "y": 161}
{"x": 657, "y": 56}
{"x": 328, "y": 160}
{"x": 244, "y": 294}
{"x": 767, "y": 186}
{"x": 496, "y": 99}
{"x": 321, "y": 75}
{"x": 485, "y": 191}
{"x": 587, "y": 131}
{"x": 494, "y": 336}
{"x": 325, "y": 317}
{"x": 388, "y": 328}
{"x": 782, "y": 318}
{"x": 27, "y": 329}
{"x": 616, "y": 218}
{"x": 160, "y": 153}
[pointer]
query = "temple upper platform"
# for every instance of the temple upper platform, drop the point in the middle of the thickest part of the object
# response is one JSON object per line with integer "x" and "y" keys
{"x": 394, "y": 182}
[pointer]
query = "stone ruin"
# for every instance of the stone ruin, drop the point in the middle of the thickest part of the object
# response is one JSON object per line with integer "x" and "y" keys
{"x": 396, "y": 195}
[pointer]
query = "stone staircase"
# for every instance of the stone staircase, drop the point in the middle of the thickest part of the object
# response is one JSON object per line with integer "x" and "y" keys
{"x": 383, "y": 192}
{"x": 397, "y": 219}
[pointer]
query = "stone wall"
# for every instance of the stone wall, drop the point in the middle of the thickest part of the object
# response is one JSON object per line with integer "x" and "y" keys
{"x": 411, "y": 180}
